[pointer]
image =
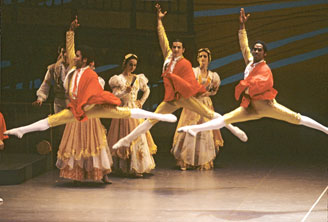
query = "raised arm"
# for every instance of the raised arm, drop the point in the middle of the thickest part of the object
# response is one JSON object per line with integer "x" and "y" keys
{"x": 243, "y": 41}
{"x": 163, "y": 41}
{"x": 70, "y": 45}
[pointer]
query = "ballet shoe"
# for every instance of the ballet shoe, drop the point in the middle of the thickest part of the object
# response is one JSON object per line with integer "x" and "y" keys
{"x": 121, "y": 143}
{"x": 185, "y": 129}
{"x": 239, "y": 133}
{"x": 14, "y": 132}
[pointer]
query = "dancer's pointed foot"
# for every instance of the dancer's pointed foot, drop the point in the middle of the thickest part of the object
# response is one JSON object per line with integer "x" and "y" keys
{"x": 16, "y": 132}
{"x": 106, "y": 180}
{"x": 167, "y": 118}
{"x": 186, "y": 129}
{"x": 239, "y": 133}
{"x": 121, "y": 143}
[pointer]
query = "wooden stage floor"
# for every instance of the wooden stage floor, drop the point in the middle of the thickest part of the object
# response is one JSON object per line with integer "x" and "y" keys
{"x": 249, "y": 188}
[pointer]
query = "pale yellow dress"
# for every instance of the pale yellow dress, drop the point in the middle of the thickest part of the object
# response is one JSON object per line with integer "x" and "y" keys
{"x": 199, "y": 152}
{"x": 136, "y": 159}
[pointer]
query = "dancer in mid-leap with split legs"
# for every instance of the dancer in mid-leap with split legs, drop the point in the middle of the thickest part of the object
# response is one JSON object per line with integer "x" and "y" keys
{"x": 180, "y": 85}
{"x": 87, "y": 100}
{"x": 258, "y": 94}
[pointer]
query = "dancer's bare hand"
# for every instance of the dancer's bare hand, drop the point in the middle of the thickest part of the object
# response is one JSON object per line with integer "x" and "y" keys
{"x": 243, "y": 18}
{"x": 37, "y": 103}
{"x": 138, "y": 104}
{"x": 74, "y": 24}
{"x": 160, "y": 14}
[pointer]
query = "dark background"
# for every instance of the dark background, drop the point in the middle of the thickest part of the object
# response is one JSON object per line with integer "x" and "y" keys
{"x": 31, "y": 31}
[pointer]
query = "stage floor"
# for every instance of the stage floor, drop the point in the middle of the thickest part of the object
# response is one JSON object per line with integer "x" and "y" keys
{"x": 238, "y": 189}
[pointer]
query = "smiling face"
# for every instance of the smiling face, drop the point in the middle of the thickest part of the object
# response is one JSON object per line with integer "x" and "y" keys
{"x": 258, "y": 52}
{"x": 203, "y": 59}
{"x": 177, "y": 49}
{"x": 131, "y": 65}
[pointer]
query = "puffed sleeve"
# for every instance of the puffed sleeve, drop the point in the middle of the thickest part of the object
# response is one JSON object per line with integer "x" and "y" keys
{"x": 117, "y": 85}
{"x": 215, "y": 83}
{"x": 143, "y": 81}
{"x": 143, "y": 87}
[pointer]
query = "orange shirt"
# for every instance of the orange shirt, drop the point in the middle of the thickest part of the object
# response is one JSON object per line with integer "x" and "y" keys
{"x": 260, "y": 85}
{"x": 181, "y": 82}
{"x": 90, "y": 92}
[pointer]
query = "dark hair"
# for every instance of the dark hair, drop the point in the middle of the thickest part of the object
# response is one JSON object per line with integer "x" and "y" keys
{"x": 127, "y": 58}
{"x": 87, "y": 52}
{"x": 208, "y": 52}
{"x": 265, "y": 47}
{"x": 177, "y": 40}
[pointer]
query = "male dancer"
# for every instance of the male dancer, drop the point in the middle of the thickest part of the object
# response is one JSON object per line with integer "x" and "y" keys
{"x": 87, "y": 97}
{"x": 180, "y": 87}
{"x": 56, "y": 73}
{"x": 258, "y": 94}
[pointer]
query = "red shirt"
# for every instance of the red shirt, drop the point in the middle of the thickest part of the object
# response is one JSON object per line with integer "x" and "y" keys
{"x": 90, "y": 92}
{"x": 181, "y": 82}
{"x": 260, "y": 85}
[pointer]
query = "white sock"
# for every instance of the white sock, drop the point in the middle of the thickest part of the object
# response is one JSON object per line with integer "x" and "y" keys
{"x": 216, "y": 123}
{"x": 306, "y": 121}
{"x": 143, "y": 114}
{"x": 127, "y": 140}
{"x": 40, "y": 125}
{"x": 234, "y": 129}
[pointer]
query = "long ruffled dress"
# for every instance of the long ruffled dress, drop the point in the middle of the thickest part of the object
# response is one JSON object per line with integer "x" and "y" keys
{"x": 199, "y": 152}
{"x": 136, "y": 159}
{"x": 83, "y": 152}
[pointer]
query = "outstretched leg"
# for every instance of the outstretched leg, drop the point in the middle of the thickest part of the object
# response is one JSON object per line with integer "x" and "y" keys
{"x": 238, "y": 115}
{"x": 194, "y": 105}
{"x": 216, "y": 123}
{"x": 277, "y": 111}
{"x": 234, "y": 130}
{"x": 97, "y": 111}
{"x": 40, "y": 125}
{"x": 108, "y": 111}
{"x": 164, "y": 107}
{"x": 306, "y": 121}
{"x": 127, "y": 140}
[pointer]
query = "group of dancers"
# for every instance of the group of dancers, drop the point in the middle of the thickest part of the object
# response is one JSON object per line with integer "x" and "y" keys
{"x": 85, "y": 152}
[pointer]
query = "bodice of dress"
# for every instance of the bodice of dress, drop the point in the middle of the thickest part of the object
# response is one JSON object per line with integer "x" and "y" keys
{"x": 211, "y": 82}
{"x": 119, "y": 84}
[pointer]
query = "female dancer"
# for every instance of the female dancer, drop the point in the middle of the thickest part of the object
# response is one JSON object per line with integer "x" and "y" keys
{"x": 199, "y": 153}
{"x": 137, "y": 158}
